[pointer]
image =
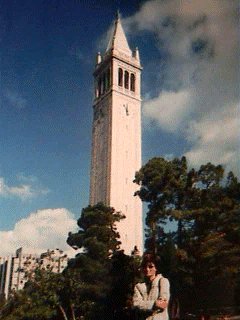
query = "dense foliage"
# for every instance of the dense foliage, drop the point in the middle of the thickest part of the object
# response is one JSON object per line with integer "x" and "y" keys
{"x": 202, "y": 255}
{"x": 39, "y": 300}
{"x": 99, "y": 239}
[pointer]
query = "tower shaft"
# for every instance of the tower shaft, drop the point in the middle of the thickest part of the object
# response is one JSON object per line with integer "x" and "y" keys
{"x": 116, "y": 136}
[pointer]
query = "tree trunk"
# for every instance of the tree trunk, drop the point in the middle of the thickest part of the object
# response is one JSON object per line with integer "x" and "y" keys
{"x": 73, "y": 314}
{"x": 63, "y": 312}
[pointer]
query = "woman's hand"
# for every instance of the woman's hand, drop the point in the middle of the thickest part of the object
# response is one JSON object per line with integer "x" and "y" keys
{"x": 161, "y": 303}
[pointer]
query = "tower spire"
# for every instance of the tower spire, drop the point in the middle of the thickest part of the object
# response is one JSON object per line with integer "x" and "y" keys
{"x": 118, "y": 38}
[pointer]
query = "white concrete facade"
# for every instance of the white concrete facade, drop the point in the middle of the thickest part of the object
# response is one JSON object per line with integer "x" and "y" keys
{"x": 53, "y": 260}
{"x": 116, "y": 136}
{"x": 16, "y": 270}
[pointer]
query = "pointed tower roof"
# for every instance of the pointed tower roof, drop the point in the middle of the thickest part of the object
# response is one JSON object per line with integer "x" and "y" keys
{"x": 118, "y": 38}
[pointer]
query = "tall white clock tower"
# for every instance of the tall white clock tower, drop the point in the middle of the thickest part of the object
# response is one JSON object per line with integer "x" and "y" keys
{"x": 116, "y": 135}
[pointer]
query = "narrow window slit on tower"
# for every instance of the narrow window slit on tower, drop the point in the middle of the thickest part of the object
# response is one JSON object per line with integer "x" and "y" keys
{"x": 126, "y": 79}
{"x": 120, "y": 77}
{"x": 99, "y": 87}
{"x": 104, "y": 83}
{"x": 132, "y": 82}
{"x": 108, "y": 79}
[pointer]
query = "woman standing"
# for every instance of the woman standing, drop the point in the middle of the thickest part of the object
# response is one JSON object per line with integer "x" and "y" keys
{"x": 151, "y": 297}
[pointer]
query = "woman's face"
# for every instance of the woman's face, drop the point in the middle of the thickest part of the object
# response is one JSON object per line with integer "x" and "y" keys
{"x": 150, "y": 270}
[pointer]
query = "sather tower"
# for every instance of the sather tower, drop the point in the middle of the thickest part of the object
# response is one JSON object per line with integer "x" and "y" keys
{"x": 116, "y": 135}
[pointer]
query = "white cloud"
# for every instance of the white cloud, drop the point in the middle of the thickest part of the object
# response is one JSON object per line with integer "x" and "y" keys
{"x": 15, "y": 99}
{"x": 216, "y": 140}
{"x": 199, "y": 88}
{"x": 23, "y": 191}
{"x": 42, "y": 230}
{"x": 169, "y": 109}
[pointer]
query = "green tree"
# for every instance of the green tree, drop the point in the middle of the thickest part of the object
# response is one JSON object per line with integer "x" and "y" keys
{"x": 99, "y": 240}
{"x": 124, "y": 274}
{"x": 40, "y": 299}
{"x": 205, "y": 247}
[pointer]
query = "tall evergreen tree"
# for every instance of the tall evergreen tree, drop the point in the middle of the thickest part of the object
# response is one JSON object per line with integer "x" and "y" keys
{"x": 99, "y": 240}
{"x": 205, "y": 206}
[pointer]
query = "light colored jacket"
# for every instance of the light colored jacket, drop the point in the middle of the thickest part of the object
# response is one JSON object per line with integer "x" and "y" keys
{"x": 145, "y": 301}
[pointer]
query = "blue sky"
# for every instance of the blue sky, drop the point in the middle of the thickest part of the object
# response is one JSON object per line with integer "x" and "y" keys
{"x": 190, "y": 90}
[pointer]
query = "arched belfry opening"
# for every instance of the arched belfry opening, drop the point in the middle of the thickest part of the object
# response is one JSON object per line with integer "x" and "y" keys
{"x": 120, "y": 77}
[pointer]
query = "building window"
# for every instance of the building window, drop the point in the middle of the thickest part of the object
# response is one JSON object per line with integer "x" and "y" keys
{"x": 120, "y": 77}
{"x": 104, "y": 83}
{"x": 132, "y": 82}
{"x": 102, "y": 86}
{"x": 99, "y": 87}
{"x": 108, "y": 79}
{"x": 126, "y": 79}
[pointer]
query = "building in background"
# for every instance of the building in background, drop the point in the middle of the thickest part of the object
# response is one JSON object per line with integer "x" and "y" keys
{"x": 54, "y": 260}
{"x": 5, "y": 275}
{"x": 116, "y": 135}
{"x": 16, "y": 270}
{"x": 23, "y": 266}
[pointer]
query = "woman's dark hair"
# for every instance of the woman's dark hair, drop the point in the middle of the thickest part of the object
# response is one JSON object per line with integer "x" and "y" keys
{"x": 150, "y": 258}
